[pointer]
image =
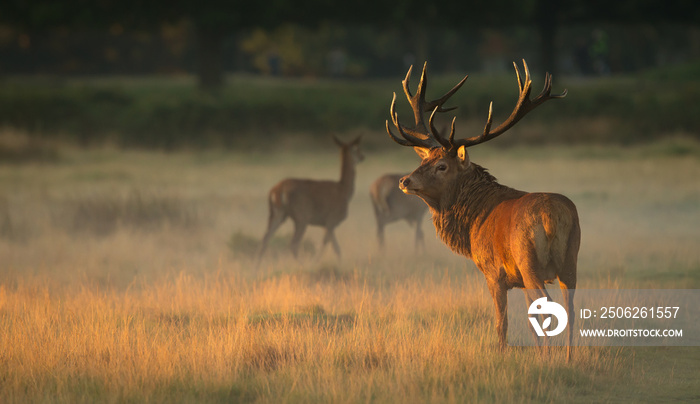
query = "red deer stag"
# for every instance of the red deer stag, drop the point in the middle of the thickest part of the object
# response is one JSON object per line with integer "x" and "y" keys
{"x": 516, "y": 239}
{"x": 312, "y": 202}
{"x": 391, "y": 205}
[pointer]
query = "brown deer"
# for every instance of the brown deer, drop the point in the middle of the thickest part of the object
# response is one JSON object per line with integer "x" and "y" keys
{"x": 313, "y": 202}
{"x": 391, "y": 205}
{"x": 516, "y": 239}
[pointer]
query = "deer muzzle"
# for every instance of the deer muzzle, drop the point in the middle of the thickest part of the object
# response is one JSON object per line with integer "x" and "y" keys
{"x": 407, "y": 185}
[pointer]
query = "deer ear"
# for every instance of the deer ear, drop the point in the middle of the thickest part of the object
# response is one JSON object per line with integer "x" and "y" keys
{"x": 422, "y": 152}
{"x": 338, "y": 142}
{"x": 463, "y": 155}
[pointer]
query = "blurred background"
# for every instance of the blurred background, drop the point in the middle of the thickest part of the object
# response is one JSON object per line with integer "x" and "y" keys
{"x": 166, "y": 75}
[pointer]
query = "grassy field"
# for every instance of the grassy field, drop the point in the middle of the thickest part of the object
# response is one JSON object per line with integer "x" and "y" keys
{"x": 128, "y": 277}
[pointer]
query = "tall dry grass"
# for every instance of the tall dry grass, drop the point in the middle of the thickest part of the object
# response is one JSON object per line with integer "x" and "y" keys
{"x": 221, "y": 338}
{"x": 170, "y": 312}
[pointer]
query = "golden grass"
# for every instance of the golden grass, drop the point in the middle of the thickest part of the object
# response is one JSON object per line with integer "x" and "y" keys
{"x": 172, "y": 314}
{"x": 273, "y": 340}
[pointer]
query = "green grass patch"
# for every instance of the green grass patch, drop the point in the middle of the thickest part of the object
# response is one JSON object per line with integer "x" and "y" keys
{"x": 252, "y": 111}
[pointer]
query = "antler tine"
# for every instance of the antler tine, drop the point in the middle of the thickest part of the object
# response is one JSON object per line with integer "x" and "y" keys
{"x": 452, "y": 131}
{"x": 394, "y": 118}
{"x": 517, "y": 75}
{"x": 547, "y": 91}
{"x": 489, "y": 121}
{"x": 422, "y": 83}
{"x": 438, "y": 102}
{"x": 392, "y": 109}
{"x": 410, "y": 138}
{"x": 436, "y": 134}
{"x": 420, "y": 136}
{"x": 525, "y": 87}
{"x": 418, "y": 102}
{"x": 522, "y": 107}
{"x": 405, "y": 83}
{"x": 394, "y": 138}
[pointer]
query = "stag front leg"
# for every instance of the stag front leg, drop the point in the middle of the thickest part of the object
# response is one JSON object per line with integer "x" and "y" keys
{"x": 499, "y": 293}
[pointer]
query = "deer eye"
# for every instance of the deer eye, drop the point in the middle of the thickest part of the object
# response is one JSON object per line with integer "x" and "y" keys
{"x": 441, "y": 167}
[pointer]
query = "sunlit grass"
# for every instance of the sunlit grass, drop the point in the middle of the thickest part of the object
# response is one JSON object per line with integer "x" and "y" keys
{"x": 178, "y": 313}
{"x": 266, "y": 340}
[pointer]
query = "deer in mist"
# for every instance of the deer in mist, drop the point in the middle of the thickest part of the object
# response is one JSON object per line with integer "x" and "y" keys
{"x": 391, "y": 205}
{"x": 516, "y": 239}
{"x": 314, "y": 202}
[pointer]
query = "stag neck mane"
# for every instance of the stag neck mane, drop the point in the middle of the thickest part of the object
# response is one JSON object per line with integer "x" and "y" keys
{"x": 467, "y": 204}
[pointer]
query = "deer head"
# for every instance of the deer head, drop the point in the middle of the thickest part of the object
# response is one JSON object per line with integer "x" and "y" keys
{"x": 351, "y": 148}
{"x": 444, "y": 158}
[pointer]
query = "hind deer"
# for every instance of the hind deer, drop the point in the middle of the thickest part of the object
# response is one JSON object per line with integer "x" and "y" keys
{"x": 517, "y": 239}
{"x": 313, "y": 202}
{"x": 391, "y": 205}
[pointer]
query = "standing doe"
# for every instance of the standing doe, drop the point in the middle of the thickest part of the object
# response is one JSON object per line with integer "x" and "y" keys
{"x": 516, "y": 239}
{"x": 391, "y": 205}
{"x": 313, "y": 202}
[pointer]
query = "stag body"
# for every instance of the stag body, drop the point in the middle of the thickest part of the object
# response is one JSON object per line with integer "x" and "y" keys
{"x": 516, "y": 239}
{"x": 313, "y": 202}
{"x": 391, "y": 205}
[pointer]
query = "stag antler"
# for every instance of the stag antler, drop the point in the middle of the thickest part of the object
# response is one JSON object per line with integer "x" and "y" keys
{"x": 523, "y": 106}
{"x": 419, "y": 136}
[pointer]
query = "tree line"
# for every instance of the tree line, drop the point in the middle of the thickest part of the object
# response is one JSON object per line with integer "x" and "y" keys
{"x": 214, "y": 23}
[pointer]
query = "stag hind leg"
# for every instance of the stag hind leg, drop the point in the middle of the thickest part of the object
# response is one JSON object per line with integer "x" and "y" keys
{"x": 531, "y": 294}
{"x": 568, "y": 291}
{"x": 567, "y": 283}
{"x": 534, "y": 289}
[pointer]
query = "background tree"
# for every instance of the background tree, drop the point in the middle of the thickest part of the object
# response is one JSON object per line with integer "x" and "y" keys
{"x": 215, "y": 20}
{"x": 416, "y": 23}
